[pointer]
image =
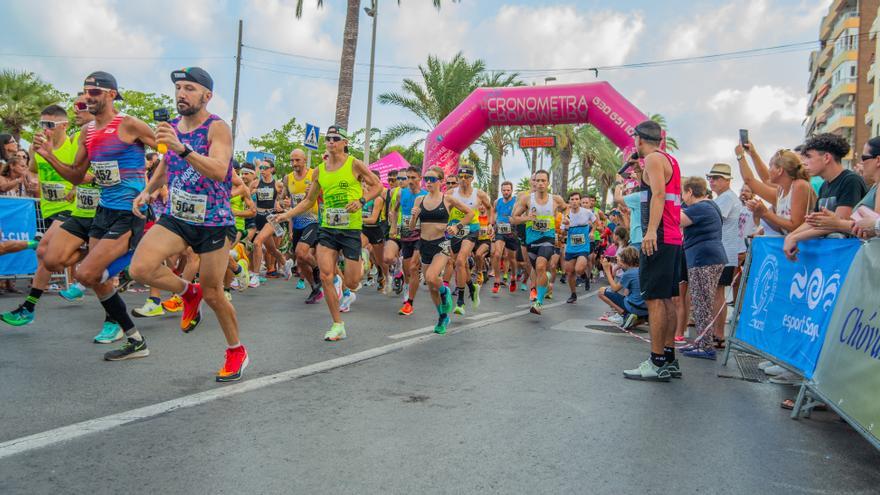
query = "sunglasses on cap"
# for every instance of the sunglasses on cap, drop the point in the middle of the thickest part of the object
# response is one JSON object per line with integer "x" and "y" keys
{"x": 333, "y": 139}
{"x": 95, "y": 92}
{"x": 80, "y": 106}
{"x": 50, "y": 124}
{"x": 431, "y": 179}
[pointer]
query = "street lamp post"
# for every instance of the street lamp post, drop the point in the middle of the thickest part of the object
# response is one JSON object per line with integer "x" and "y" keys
{"x": 373, "y": 12}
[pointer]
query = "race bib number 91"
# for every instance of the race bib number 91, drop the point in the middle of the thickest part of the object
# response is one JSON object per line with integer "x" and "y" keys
{"x": 53, "y": 191}
{"x": 106, "y": 173}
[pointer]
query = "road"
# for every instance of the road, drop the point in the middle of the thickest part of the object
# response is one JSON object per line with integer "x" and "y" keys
{"x": 507, "y": 402}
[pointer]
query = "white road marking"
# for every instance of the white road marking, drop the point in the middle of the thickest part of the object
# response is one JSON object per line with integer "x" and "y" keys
{"x": 483, "y": 315}
{"x": 78, "y": 430}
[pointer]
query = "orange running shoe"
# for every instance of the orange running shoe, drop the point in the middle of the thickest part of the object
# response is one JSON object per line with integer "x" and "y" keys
{"x": 236, "y": 361}
{"x": 173, "y": 304}
{"x": 533, "y": 294}
{"x": 192, "y": 308}
{"x": 513, "y": 284}
{"x": 495, "y": 287}
{"x": 406, "y": 309}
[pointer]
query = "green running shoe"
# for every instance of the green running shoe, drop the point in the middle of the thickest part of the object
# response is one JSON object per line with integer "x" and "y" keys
{"x": 18, "y": 317}
{"x": 131, "y": 349}
{"x": 440, "y": 327}
{"x": 149, "y": 310}
{"x": 336, "y": 332}
{"x": 446, "y": 302}
{"x": 475, "y": 297}
{"x": 110, "y": 332}
{"x": 459, "y": 310}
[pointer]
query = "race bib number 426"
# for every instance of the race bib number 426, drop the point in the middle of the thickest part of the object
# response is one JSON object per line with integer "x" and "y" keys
{"x": 106, "y": 173}
{"x": 87, "y": 198}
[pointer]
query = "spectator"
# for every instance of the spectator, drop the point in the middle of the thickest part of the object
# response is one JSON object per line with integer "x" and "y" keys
{"x": 839, "y": 194}
{"x": 706, "y": 257}
{"x": 623, "y": 295}
{"x": 785, "y": 185}
{"x": 16, "y": 180}
{"x": 730, "y": 206}
{"x": 626, "y": 195}
{"x": 8, "y": 147}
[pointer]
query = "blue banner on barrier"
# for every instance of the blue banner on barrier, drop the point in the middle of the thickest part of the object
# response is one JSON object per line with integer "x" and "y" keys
{"x": 787, "y": 305}
{"x": 18, "y": 222}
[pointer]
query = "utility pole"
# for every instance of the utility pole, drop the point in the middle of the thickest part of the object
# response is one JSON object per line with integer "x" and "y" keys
{"x": 237, "y": 77}
{"x": 374, "y": 13}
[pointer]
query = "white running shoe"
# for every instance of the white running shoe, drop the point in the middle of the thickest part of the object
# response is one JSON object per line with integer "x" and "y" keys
{"x": 243, "y": 277}
{"x": 254, "y": 282}
{"x": 346, "y": 302}
{"x": 288, "y": 269}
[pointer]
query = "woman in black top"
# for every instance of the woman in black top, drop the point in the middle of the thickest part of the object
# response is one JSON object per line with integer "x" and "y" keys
{"x": 432, "y": 211}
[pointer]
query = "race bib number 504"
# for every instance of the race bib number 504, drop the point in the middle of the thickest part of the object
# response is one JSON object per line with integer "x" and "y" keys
{"x": 188, "y": 207}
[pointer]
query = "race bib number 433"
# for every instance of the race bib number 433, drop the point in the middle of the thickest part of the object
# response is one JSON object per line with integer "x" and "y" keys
{"x": 188, "y": 207}
{"x": 106, "y": 173}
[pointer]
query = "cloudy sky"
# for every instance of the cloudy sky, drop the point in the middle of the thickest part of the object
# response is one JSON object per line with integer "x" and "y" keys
{"x": 705, "y": 103}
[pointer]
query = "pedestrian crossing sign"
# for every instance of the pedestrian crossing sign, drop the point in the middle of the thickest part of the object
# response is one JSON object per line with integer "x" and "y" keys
{"x": 311, "y": 139}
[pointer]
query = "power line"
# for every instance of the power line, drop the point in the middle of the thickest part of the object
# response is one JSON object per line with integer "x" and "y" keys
{"x": 108, "y": 57}
{"x": 307, "y": 76}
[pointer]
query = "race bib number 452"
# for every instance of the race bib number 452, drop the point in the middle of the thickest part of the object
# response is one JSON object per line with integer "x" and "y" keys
{"x": 106, "y": 173}
{"x": 188, "y": 207}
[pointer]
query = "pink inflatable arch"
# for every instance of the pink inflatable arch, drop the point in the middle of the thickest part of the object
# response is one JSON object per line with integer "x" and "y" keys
{"x": 596, "y": 103}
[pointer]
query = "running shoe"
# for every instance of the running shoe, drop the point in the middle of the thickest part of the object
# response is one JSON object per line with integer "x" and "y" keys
{"x": 680, "y": 340}
{"x": 440, "y": 327}
{"x": 702, "y": 353}
{"x": 648, "y": 371}
{"x": 243, "y": 277}
{"x": 549, "y": 294}
{"x": 572, "y": 298}
{"x": 131, "y": 349}
{"x": 689, "y": 347}
{"x": 523, "y": 287}
{"x": 536, "y": 308}
{"x": 148, "y": 310}
{"x": 73, "y": 293}
{"x": 446, "y": 302}
{"x": 630, "y": 321}
{"x": 406, "y": 309}
{"x": 495, "y": 287}
{"x": 18, "y": 317}
{"x": 316, "y": 295}
{"x": 262, "y": 279}
{"x": 346, "y": 302}
{"x": 288, "y": 269}
{"x": 398, "y": 284}
{"x": 173, "y": 304}
{"x": 236, "y": 361}
{"x": 228, "y": 295}
{"x": 674, "y": 368}
{"x": 533, "y": 295}
{"x": 380, "y": 284}
{"x": 192, "y": 308}
{"x": 386, "y": 287}
{"x": 480, "y": 278}
{"x": 475, "y": 297}
{"x": 615, "y": 319}
{"x": 301, "y": 284}
{"x": 336, "y": 332}
{"x": 254, "y": 281}
{"x": 459, "y": 310}
{"x": 235, "y": 285}
{"x": 273, "y": 274}
{"x": 513, "y": 285}
{"x": 125, "y": 281}
{"x": 337, "y": 284}
{"x": 110, "y": 332}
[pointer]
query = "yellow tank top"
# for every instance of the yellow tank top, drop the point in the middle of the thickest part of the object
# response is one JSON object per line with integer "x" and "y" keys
{"x": 298, "y": 189}
{"x": 340, "y": 188}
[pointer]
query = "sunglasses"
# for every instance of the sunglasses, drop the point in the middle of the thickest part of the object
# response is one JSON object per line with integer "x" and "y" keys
{"x": 333, "y": 139}
{"x": 80, "y": 106}
{"x": 868, "y": 157}
{"x": 264, "y": 167}
{"x": 451, "y": 183}
{"x": 431, "y": 180}
{"x": 49, "y": 124}
{"x": 715, "y": 177}
{"x": 465, "y": 175}
{"x": 392, "y": 179}
{"x": 95, "y": 92}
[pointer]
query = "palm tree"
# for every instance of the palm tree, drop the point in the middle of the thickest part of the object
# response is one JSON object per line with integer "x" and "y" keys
{"x": 349, "y": 49}
{"x": 562, "y": 155}
{"x": 671, "y": 143}
{"x": 444, "y": 85}
{"x": 23, "y": 95}
{"x": 498, "y": 139}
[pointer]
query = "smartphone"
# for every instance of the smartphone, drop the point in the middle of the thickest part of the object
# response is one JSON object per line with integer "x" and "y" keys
{"x": 161, "y": 115}
{"x": 864, "y": 212}
{"x": 744, "y": 137}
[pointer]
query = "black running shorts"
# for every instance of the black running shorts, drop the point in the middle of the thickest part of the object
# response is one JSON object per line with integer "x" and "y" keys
{"x": 202, "y": 239}
{"x": 660, "y": 273}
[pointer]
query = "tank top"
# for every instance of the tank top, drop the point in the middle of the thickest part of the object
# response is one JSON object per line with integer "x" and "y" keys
{"x": 297, "y": 190}
{"x": 438, "y": 215}
{"x": 54, "y": 188}
{"x": 484, "y": 228}
{"x": 543, "y": 228}
{"x": 340, "y": 187}
{"x": 118, "y": 166}
{"x": 192, "y": 197}
{"x": 367, "y": 212}
{"x": 669, "y": 231}
{"x": 266, "y": 194}
{"x": 85, "y": 204}
{"x": 503, "y": 210}
{"x": 783, "y": 203}
{"x": 579, "y": 225}
{"x": 236, "y": 204}
{"x": 456, "y": 215}
{"x": 404, "y": 213}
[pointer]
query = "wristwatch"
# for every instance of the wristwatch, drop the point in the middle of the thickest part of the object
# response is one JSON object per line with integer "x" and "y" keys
{"x": 187, "y": 149}
{"x": 363, "y": 201}
{"x": 740, "y": 157}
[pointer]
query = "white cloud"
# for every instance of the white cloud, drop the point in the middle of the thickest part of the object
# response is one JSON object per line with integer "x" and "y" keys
{"x": 759, "y": 104}
{"x": 273, "y": 24}
{"x": 417, "y": 29}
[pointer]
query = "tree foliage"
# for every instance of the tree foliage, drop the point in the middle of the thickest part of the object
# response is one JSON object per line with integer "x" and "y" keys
{"x": 23, "y": 95}
{"x": 141, "y": 104}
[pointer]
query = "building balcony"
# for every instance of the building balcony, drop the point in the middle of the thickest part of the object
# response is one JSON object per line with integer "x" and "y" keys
{"x": 847, "y": 20}
{"x": 841, "y": 57}
{"x": 840, "y": 120}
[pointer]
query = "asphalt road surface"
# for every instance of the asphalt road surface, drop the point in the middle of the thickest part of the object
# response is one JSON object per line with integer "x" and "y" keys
{"x": 507, "y": 402}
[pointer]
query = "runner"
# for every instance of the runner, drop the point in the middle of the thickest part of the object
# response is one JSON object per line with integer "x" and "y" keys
{"x": 198, "y": 170}
{"x": 483, "y": 245}
{"x": 112, "y": 146}
{"x": 432, "y": 211}
{"x": 338, "y": 181}
{"x": 506, "y": 244}
{"x": 463, "y": 243}
{"x": 268, "y": 192}
{"x": 304, "y": 232}
{"x": 373, "y": 233}
{"x": 391, "y": 255}
{"x": 660, "y": 262}
{"x": 578, "y": 222}
{"x": 409, "y": 235}
{"x": 538, "y": 212}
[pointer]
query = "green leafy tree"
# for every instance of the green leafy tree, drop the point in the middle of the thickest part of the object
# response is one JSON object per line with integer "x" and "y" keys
{"x": 671, "y": 143}
{"x": 23, "y": 95}
{"x": 141, "y": 105}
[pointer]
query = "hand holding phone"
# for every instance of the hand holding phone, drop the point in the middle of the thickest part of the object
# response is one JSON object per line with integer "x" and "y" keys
{"x": 744, "y": 138}
{"x": 161, "y": 115}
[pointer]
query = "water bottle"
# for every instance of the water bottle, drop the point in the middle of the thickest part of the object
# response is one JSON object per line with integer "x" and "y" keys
{"x": 279, "y": 230}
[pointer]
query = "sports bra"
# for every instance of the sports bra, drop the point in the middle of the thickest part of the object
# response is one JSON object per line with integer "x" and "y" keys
{"x": 438, "y": 215}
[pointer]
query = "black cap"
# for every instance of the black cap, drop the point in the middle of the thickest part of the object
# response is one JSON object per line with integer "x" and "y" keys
{"x": 249, "y": 166}
{"x": 650, "y": 130}
{"x": 105, "y": 80}
{"x": 337, "y": 130}
{"x": 197, "y": 75}
{"x": 235, "y": 164}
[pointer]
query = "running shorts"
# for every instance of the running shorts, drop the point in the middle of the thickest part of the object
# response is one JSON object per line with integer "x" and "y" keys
{"x": 660, "y": 273}
{"x": 202, "y": 239}
{"x": 345, "y": 241}
{"x": 429, "y": 249}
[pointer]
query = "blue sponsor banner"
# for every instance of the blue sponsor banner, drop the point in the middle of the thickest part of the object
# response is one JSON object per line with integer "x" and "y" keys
{"x": 252, "y": 156}
{"x": 18, "y": 222}
{"x": 787, "y": 304}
